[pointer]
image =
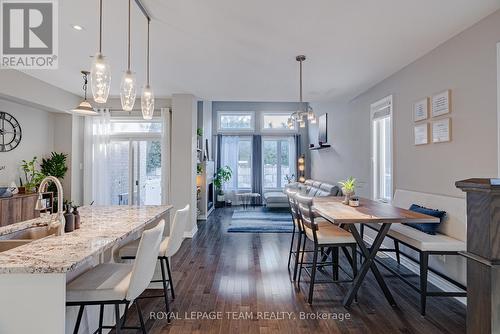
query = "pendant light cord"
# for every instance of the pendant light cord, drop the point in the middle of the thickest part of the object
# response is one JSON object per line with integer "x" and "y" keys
{"x": 85, "y": 81}
{"x": 148, "y": 54}
{"x": 128, "y": 62}
{"x": 100, "y": 26}
{"x": 300, "y": 82}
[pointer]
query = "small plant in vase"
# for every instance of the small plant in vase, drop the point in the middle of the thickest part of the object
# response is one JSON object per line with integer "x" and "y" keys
{"x": 348, "y": 188}
{"x": 32, "y": 175}
{"x": 222, "y": 176}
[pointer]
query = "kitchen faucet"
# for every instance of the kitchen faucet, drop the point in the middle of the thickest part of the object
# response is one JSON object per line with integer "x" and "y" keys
{"x": 60, "y": 221}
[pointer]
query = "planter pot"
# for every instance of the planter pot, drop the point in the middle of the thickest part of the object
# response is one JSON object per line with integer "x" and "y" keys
{"x": 347, "y": 197}
{"x": 220, "y": 198}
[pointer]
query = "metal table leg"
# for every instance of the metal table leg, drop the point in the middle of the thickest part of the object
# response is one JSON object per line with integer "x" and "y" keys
{"x": 369, "y": 263}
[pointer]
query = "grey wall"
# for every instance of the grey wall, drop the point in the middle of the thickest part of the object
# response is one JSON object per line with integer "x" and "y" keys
{"x": 466, "y": 64}
{"x": 258, "y": 108}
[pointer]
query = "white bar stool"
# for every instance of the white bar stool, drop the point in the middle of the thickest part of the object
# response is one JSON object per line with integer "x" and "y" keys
{"x": 115, "y": 283}
{"x": 169, "y": 246}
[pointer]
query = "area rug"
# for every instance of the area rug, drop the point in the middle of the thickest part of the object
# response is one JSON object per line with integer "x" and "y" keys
{"x": 260, "y": 221}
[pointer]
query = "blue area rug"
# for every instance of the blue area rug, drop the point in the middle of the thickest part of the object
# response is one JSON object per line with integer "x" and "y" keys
{"x": 261, "y": 221}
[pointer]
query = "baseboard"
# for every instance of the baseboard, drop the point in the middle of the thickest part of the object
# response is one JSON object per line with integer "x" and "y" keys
{"x": 190, "y": 234}
{"x": 432, "y": 278}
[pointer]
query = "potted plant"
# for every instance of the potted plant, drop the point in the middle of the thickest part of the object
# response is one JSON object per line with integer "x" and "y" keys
{"x": 222, "y": 176}
{"x": 55, "y": 166}
{"x": 32, "y": 175}
{"x": 348, "y": 188}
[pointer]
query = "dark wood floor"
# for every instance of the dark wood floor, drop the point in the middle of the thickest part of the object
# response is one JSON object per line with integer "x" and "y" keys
{"x": 247, "y": 273}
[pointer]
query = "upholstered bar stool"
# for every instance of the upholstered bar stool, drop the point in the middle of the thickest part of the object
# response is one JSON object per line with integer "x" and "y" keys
{"x": 117, "y": 283}
{"x": 323, "y": 235}
{"x": 169, "y": 246}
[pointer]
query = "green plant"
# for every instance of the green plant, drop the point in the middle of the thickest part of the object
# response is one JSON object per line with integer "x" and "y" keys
{"x": 32, "y": 175}
{"x": 222, "y": 176}
{"x": 55, "y": 165}
{"x": 199, "y": 132}
{"x": 199, "y": 169}
{"x": 349, "y": 185}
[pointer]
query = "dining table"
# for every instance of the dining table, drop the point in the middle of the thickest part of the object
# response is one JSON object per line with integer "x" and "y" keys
{"x": 368, "y": 212}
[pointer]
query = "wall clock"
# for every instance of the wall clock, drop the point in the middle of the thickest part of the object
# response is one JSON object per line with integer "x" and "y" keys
{"x": 10, "y": 132}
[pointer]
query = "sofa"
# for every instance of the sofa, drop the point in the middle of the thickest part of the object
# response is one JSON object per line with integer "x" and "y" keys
{"x": 278, "y": 199}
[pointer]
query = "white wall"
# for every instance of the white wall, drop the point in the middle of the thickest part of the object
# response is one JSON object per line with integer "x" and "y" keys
{"x": 37, "y": 139}
{"x": 465, "y": 64}
{"x": 183, "y": 156}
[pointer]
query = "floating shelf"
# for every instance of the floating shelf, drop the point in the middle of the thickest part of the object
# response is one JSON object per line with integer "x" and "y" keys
{"x": 322, "y": 146}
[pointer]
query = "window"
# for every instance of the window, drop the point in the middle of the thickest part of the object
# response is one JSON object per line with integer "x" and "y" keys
{"x": 381, "y": 129}
{"x": 278, "y": 157}
{"x": 236, "y": 121}
{"x": 236, "y": 152}
{"x": 276, "y": 122}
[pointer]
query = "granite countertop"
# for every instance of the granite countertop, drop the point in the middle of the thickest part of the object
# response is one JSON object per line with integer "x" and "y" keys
{"x": 101, "y": 228}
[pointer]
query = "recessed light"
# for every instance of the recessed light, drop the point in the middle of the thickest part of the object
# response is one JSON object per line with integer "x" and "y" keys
{"x": 77, "y": 27}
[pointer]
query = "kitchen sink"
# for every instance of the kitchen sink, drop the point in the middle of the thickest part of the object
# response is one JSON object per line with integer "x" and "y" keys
{"x": 23, "y": 237}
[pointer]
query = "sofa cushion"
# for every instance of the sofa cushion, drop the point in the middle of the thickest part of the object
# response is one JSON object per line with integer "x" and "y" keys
{"x": 429, "y": 228}
{"x": 275, "y": 197}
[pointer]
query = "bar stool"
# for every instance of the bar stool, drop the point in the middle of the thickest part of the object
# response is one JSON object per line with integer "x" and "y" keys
{"x": 169, "y": 246}
{"x": 116, "y": 283}
{"x": 323, "y": 236}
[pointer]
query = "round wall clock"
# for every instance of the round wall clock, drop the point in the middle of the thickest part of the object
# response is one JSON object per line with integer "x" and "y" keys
{"x": 10, "y": 132}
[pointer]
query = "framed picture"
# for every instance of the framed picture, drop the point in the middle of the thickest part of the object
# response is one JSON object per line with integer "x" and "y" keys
{"x": 421, "y": 110}
{"x": 421, "y": 134}
{"x": 441, "y": 130}
{"x": 441, "y": 103}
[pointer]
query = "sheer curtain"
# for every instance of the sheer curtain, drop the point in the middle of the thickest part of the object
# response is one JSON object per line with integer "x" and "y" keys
{"x": 229, "y": 157}
{"x": 96, "y": 153}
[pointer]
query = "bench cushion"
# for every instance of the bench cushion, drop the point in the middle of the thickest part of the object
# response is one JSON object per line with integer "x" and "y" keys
{"x": 423, "y": 241}
{"x": 275, "y": 197}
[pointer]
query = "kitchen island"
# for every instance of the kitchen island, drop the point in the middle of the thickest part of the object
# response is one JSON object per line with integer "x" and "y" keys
{"x": 33, "y": 276}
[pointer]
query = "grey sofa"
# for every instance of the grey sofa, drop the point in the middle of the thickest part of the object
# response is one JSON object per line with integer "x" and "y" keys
{"x": 278, "y": 199}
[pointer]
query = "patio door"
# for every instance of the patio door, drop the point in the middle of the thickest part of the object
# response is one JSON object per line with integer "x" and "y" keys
{"x": 278, "y": 161}
{"x": 135, "y": 172}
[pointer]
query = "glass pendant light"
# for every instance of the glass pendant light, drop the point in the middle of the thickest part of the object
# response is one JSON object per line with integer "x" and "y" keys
{"x": 303, "y": 114}
{"x": 100, "y": 71}
{"x": 147, "y": 97}
{"x": 84, "y": 108}
{"x": 128, "y": 86}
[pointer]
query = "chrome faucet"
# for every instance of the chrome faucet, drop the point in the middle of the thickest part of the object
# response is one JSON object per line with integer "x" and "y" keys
{"x": 60, "y": 221}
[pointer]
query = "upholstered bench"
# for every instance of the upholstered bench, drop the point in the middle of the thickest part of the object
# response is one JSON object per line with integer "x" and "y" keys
{"x": 449, "y": 240}
{"x": 275, "y": 199}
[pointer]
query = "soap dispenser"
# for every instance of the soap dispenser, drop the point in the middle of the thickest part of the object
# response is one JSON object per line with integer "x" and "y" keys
{"x": 70, "y": 219}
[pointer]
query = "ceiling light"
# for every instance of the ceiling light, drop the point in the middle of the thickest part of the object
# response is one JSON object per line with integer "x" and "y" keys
{"x": 100, "y": 72}
{"x": 128, "y": 89}
{"x": 84, "y": 108}
{"x": 77, "y": 27}
{"x": 147, "y": 97}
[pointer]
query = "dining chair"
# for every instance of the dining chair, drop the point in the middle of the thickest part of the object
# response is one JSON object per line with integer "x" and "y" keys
{"x": 117, "y": 283}
{"x": 168, "y": 247}
{"x": 323, "y": 235}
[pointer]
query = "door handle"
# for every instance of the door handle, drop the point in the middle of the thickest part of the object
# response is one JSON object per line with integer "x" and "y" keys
{"x": 137, "y": 182}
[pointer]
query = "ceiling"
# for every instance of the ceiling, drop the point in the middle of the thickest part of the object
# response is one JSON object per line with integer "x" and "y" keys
{"x": 245, "y": 50}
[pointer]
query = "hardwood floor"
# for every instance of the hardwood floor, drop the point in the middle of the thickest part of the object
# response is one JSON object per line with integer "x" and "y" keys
{"x": 245, "y": 275}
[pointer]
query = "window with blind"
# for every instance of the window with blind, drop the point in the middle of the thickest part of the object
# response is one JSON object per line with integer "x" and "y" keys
{"x": 381, "y": 131}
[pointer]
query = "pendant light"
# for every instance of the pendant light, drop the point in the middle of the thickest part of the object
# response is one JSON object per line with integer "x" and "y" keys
{"x": 147, "y": 97}
{"x": 100, "y": 71}
{"x": 305, "y": 113}
{"x": 84, "y": 108}
{"x": 128, "y": 87}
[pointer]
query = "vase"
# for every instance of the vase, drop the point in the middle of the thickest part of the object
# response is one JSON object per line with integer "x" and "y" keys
{"x": 347, "y": 197}
{"x": 70, "y": 220}
{"x": 76, "y": 214}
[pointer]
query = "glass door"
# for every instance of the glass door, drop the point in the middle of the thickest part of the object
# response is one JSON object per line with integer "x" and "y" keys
{"x": 135, "y": 172}
{"x": 278, "y": 157}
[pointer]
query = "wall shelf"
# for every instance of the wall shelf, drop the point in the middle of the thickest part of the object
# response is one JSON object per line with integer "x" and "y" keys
{"x": 320, "y": 147}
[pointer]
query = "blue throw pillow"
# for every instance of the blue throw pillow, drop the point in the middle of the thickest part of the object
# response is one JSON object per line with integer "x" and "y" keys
{"x": 429, "y": 228}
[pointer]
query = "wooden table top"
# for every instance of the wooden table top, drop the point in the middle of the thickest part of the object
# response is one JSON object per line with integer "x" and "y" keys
{"x": 369, "y": 211}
